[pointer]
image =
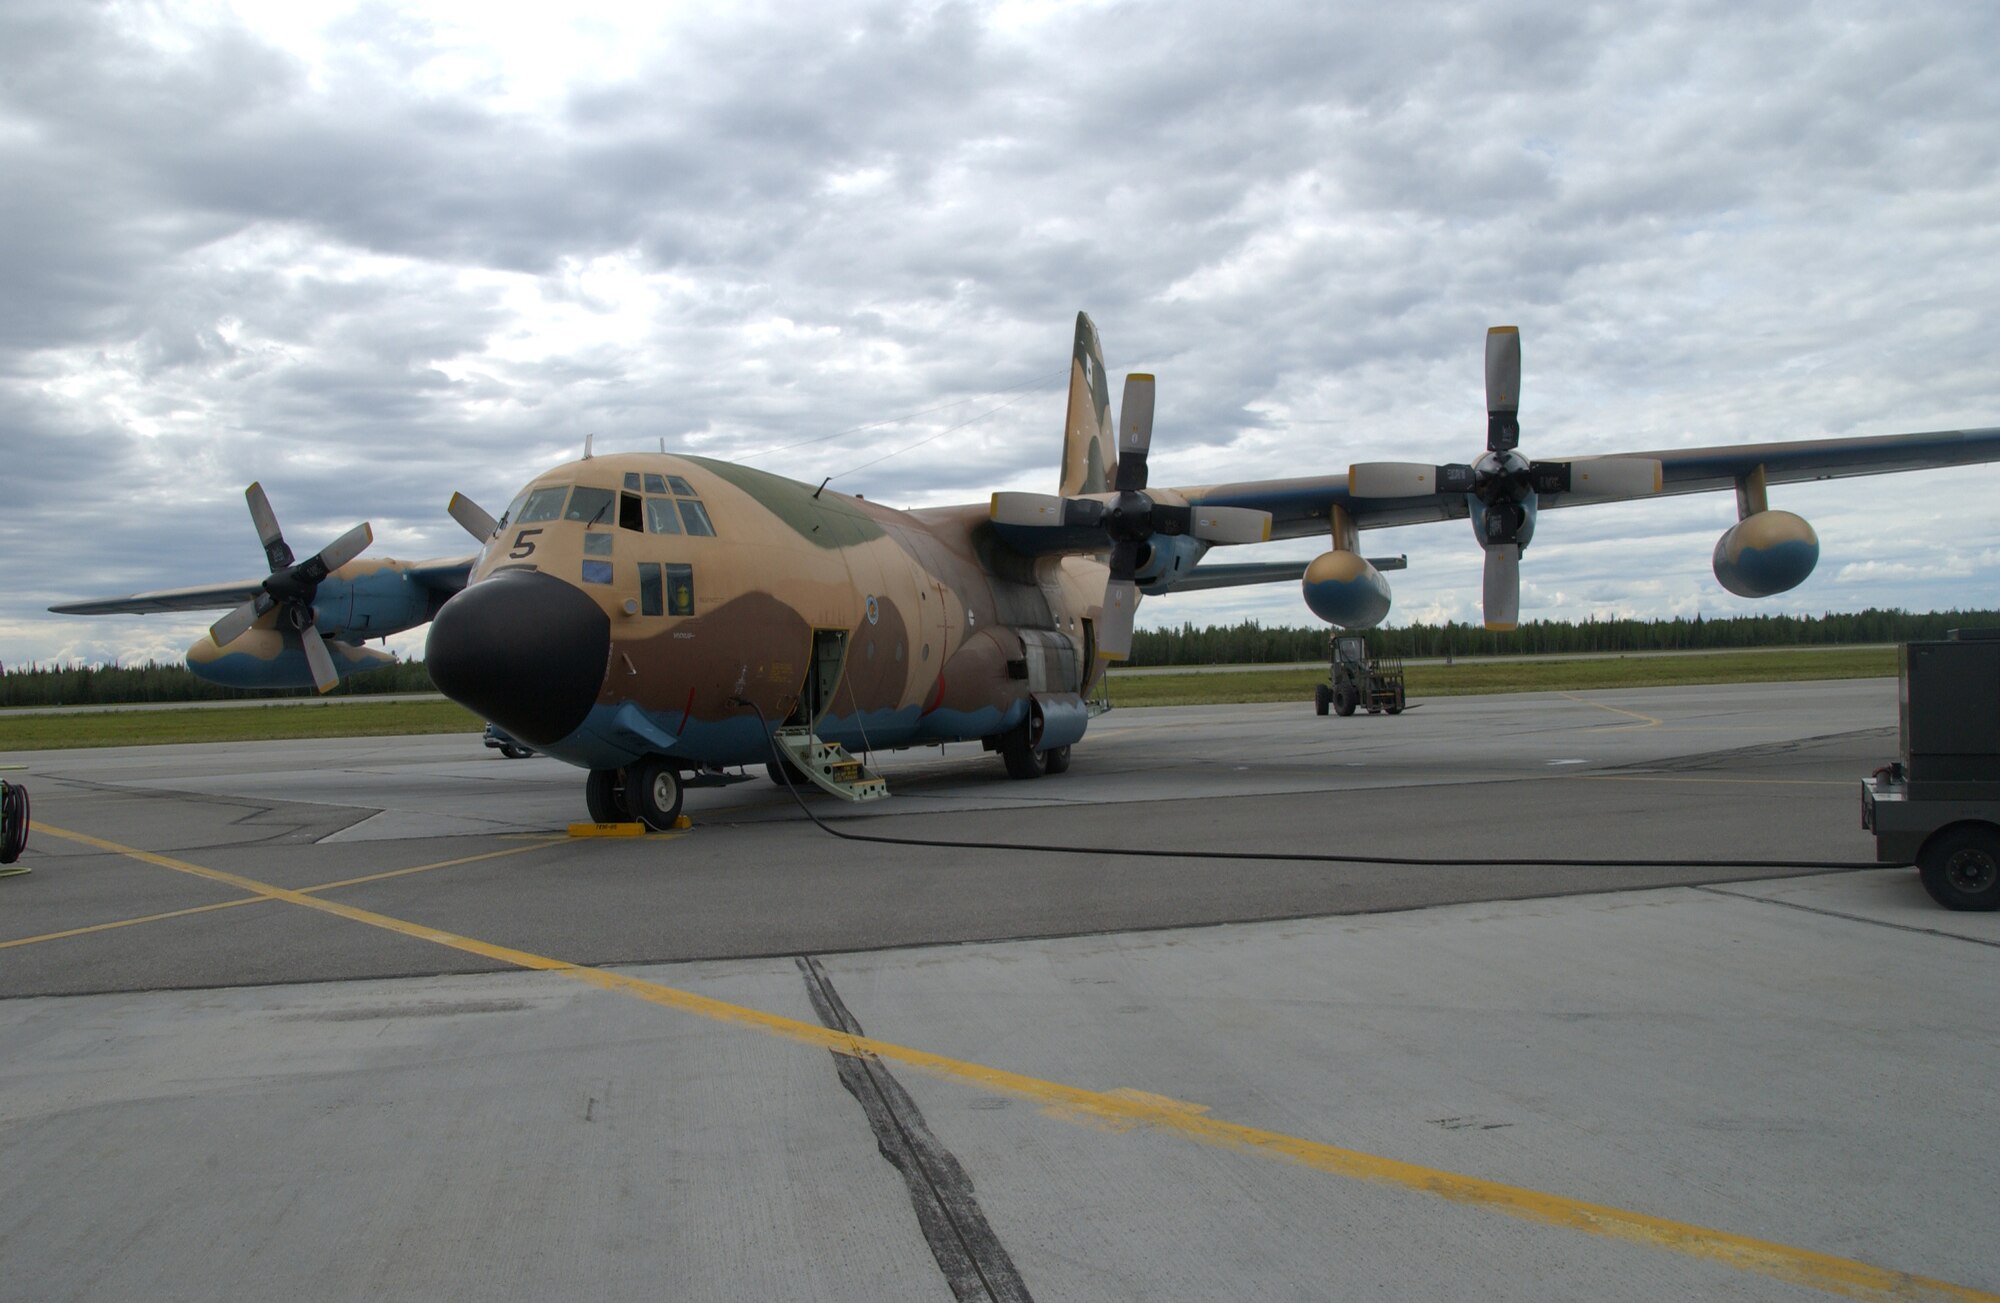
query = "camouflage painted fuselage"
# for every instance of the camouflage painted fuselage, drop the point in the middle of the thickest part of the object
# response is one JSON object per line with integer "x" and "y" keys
{"x": 603, "y": 626}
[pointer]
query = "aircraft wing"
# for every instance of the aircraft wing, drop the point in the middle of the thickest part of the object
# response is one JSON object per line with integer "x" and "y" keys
{"x": 1299, "y": 507}
{"x": 444, "y": 576}
{"x": 204, "y": 597}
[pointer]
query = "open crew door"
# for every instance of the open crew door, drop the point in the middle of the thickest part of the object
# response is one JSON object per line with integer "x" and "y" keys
{"x": 826, "y": 765}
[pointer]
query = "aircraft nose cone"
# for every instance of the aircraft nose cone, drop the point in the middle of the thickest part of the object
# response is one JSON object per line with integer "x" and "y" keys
{"x": 523, "y": 650}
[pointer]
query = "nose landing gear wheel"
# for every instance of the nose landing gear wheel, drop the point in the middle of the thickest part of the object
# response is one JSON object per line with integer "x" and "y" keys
{"x": 653, "y": 791}
{"x": 604, "y": 793}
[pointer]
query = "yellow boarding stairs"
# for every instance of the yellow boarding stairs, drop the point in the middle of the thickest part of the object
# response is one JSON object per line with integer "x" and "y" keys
{"x": 829, "y": 767}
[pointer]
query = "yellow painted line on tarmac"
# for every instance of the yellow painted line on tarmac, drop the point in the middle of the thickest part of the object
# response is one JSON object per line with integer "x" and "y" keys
{"x": 1783, "y": 1262}
{"x": 1646, "y": 721}
{"x": 426, "y": 868}
{"x": 129, "y": 922}
{"x": 252, "y": 899}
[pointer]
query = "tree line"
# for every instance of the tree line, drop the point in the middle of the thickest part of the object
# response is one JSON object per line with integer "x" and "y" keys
{"x": 95, "y": 685}
{"x": 1250, "y": 643}
{"x": 1247, "y": 643}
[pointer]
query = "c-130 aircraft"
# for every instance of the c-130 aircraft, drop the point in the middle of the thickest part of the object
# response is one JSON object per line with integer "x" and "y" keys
{"x": 656, "y": 619}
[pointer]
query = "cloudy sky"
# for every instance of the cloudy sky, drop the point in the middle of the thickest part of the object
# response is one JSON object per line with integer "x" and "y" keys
{"x": 373, "y": 253}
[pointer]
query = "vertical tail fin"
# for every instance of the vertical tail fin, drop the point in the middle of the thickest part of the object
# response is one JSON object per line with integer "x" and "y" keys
{"x": 1090, "y": 443}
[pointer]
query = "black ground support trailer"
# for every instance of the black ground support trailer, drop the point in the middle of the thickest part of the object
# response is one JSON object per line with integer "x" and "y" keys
{"x": 1374, "y": 683}
{"x": 1939, "y": 804}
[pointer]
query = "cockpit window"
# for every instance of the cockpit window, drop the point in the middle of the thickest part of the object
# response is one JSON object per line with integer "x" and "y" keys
{"x": 661, "y": 517}
{"x": 696, "y": 519}
{"x": 592, "y": 506}
{"x": 680, "y": 486}
{"x": 542, "y": 504}
{"x": 631, "y": 481}
{"x": 656, "y": 484}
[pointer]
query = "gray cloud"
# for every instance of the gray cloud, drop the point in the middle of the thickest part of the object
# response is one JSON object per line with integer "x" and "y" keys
{"x": 390, "y": 258}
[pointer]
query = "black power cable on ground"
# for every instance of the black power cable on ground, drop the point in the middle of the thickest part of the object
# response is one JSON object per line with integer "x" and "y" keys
{"x": 1293, "y": 857}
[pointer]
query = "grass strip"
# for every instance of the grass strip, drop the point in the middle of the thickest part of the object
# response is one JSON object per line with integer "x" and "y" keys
{"x": 123, "y": 728}
{"x": 396, "y": 718}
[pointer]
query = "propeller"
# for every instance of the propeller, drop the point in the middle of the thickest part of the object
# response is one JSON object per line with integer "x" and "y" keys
{"x": 290, "y": 589}
{"x": 1128, "y": 516}
{"x": 1501, "y": 489}
{"x": 475, "y": 519}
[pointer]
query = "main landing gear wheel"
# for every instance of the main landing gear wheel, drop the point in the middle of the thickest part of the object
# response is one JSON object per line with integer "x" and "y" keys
{"x": 1055, "y": 760}
{"x": 1023, "y": 761}
{"x": 791, "y": 771}
{"x": 1961, "y": 867}
{"x": 604, "y": 793}
{"x": 653, "y": 791}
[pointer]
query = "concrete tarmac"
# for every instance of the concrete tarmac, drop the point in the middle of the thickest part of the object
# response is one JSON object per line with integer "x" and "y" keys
{"x": 334, "y": 1020}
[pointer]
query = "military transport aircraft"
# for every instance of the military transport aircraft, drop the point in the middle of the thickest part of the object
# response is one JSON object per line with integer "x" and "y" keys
{"x": 655, "y": 619}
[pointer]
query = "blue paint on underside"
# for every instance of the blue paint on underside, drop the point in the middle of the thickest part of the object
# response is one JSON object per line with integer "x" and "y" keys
{"x": 612, "y": 737}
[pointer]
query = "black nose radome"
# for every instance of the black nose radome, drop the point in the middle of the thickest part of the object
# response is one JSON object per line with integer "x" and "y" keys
{"x": 522, "y": 650}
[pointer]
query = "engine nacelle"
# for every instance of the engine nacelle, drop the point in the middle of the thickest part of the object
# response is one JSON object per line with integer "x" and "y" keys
{"x": 1342, "y": 588}
{"x": 265, "y": 658}
{"x": 1165, "y": 560}
{"x": 1766, "y": 552}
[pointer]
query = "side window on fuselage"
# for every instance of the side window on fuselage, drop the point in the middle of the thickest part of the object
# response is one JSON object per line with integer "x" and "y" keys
{"x": 680, "y": 590}
{"x": 651, "y": 601}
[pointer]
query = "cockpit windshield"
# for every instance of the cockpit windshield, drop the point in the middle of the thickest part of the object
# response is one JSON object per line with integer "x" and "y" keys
{"x": 591, "y": 506}
{"x": 542, "y": 504}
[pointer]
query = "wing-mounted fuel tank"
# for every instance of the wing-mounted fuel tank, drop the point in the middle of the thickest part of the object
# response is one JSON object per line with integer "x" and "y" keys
{"x": 1765, "y": 551}
{"x": 1342, "y": 588}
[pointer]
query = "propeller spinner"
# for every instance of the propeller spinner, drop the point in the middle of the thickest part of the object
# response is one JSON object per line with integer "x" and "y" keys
{"x": 1501, "y": 489}
{"x": 290, "y": 589}
{"x": 1129, "y": 516}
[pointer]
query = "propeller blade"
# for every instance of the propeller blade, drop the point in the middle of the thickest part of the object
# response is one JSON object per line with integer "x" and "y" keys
{"x": 345, "y": 548}
{"x": 472, "y": 517}
{"x": 1135, "y": 432}
{"x": 1027, "y": 509}
{"x": 1114, "y": 623}
{"x": 237, "y": 623}
{"x": 1503, "y": 388}
{"x": 268, "y": 533}
{"x": 1502, "y": 598}
{"x": 325, "y": 677}
{"x": 1393, "y": 479}
{"x": 1231, "y": 525}
{"x": 1124, "y": 558}
{"x": 1615, "y": 477}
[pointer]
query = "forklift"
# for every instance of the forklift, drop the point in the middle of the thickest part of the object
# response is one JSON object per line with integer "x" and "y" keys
{"x": 1939, "y": 803}
{"x": 1374, "y": 683}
